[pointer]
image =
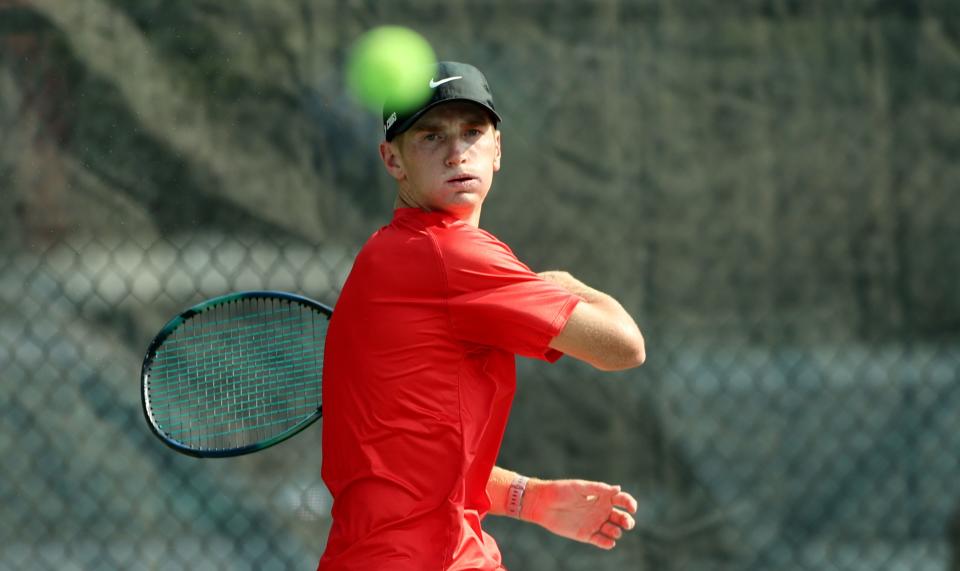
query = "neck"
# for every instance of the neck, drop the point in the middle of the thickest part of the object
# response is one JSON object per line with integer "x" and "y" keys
{"x": 471, "y": 216}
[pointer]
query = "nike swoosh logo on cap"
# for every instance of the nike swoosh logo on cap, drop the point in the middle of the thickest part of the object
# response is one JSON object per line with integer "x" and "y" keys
{"x": 442, "y": 81}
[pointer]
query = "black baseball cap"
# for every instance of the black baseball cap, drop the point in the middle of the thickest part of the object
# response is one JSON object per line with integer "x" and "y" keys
{"x": 453, "y": 81}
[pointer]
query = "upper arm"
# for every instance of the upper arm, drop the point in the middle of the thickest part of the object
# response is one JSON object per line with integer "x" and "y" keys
{"x": 597, "y": 334}
{"x": 496, "y": 300}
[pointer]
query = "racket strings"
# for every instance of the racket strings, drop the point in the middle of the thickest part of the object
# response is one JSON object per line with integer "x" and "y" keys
{"x": 213, "y": 372}
{"x": 303, "y": 390}
{"x": 255, "y": 421}
{"x": 179, "y": 420}
{"x": 239, "y": 373}
{"x": 219, "y": 327}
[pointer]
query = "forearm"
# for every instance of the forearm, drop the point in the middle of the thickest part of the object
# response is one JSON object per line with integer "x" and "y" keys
{"x": 590, "y": 295}
{"x": 573, "y": 285}
{"x": 600, "y": 331}
{"x": 591, "y": 512}
{"x": 498, "y": 489}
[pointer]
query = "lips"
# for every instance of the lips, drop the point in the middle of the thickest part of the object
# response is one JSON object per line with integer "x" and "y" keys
{"x": 461, "y": 178}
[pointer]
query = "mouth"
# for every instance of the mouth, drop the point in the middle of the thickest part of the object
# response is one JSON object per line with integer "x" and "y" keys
{"x": 462, "y": 179}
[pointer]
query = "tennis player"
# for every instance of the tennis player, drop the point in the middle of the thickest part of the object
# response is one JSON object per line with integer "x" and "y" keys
{"x": 419, "y": 368}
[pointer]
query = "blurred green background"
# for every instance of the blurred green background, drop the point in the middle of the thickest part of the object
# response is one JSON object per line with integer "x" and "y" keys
{"x": 771, "y": 187}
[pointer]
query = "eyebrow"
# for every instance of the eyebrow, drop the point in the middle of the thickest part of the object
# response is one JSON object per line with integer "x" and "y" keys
{"x": 425, "y": 126}
{"x": 432, "y": 124}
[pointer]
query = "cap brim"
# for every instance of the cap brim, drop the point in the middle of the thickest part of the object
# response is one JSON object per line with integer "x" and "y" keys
{"x": 408, "y": 122}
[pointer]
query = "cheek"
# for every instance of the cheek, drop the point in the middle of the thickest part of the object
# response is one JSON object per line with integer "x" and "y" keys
{"x": 487, "y": 154}
{"x": 493, "y": 154}
{"x": 495, "y": 162}
{"x": 417, "y": 169}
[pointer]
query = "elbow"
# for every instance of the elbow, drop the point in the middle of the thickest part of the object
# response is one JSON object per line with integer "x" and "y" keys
{"x": 632, "y": 353}
{"x": 635, "y": 356}
{"x": 634, "y": 348}
{"x": 639, "y": 356}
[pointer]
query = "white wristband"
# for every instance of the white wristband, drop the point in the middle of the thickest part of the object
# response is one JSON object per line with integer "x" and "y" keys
{"x": 515, "y": 496}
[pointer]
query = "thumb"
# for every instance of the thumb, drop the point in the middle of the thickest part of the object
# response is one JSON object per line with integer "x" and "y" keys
{"x": 596, "y": 489}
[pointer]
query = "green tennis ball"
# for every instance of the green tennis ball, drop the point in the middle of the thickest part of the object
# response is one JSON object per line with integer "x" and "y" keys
{"x": 391, "y": 62}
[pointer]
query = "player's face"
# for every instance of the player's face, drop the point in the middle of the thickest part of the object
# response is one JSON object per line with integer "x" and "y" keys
{"x": 446, "y": 160}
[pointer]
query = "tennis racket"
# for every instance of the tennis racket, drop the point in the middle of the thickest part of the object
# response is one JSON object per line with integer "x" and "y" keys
{"x": 236, "y": 374}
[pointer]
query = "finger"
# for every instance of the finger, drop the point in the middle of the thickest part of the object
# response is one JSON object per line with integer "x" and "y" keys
{"x": 625, "y": 501}
{"x": 602, "y": 541}
{"x": 611, "y": 530}
{"x": 622, "y": 519}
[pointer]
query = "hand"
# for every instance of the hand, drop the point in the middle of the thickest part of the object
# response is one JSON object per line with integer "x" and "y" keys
{"x": 590, "y": 512}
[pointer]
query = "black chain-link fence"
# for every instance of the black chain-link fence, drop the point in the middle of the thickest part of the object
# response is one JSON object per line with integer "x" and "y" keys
{"x": 769, "y": 187}
{"x": 86, "y": 485}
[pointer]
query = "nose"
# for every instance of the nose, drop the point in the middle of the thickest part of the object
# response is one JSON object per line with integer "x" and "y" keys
{"x": 456, "y": 153}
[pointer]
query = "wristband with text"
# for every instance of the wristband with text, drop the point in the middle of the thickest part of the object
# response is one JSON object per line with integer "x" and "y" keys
{"x": 515, "y": 496}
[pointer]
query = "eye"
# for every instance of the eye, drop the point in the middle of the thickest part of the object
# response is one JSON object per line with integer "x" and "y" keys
{"x": 474, "y": 132}
{"x": 431, "y": 137}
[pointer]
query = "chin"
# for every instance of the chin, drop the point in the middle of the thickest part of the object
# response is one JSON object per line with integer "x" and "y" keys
{"x": 462, "y": 207}
{"x": 467, "y": 200}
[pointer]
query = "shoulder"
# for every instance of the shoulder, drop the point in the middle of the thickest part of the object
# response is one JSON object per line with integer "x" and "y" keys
{"x": 458, "y": 240}
{"x": 455, "y": 234}
{"x": 474, "y": 259}
{"x": 402, "y": 248}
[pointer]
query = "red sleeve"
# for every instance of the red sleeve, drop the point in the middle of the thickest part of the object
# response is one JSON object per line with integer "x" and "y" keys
{"x": 494, "y": 299}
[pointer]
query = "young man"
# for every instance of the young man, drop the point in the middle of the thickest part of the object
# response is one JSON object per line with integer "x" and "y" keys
{"x": 419, "y": 363}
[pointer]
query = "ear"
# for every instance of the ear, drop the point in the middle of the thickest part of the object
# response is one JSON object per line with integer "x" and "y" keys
{"x": 496, "y": 158}
{"x": 392, "y": 160}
